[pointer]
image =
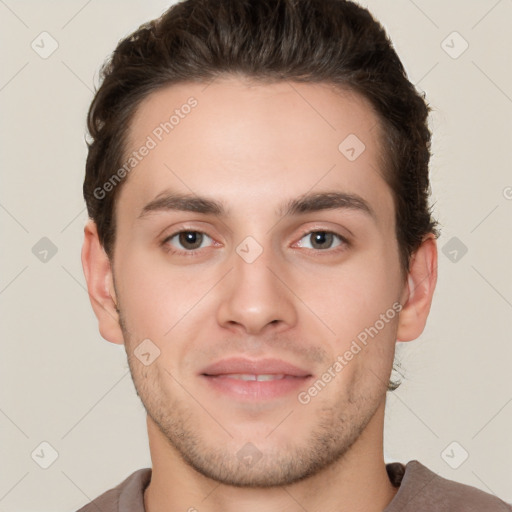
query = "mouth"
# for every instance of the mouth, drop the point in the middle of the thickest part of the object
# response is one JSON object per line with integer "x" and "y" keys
{"x": 245, "y": 379}
{"x": 250, "y": 376}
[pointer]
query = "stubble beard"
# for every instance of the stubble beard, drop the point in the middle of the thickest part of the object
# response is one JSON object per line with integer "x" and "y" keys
{"x": 182, "y": 422}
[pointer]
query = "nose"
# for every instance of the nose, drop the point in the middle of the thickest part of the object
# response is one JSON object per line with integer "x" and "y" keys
{"x": 255, "y": 296}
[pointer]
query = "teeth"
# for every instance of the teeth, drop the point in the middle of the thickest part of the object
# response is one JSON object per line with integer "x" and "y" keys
{"x": 270, "y": 377}
{"x": 248, "y": 376}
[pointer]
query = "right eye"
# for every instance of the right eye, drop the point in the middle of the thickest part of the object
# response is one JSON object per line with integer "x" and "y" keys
{"x": 190, "y": 241}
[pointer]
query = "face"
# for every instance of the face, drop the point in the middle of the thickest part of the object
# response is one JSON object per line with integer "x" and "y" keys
{"x": 214, "y": 292}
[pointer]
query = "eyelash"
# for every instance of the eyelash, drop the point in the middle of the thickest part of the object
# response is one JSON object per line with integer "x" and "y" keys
{"x": 170, "y": 249}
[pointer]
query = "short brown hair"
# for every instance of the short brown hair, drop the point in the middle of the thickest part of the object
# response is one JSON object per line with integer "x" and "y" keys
{"x": 329, "y": 41}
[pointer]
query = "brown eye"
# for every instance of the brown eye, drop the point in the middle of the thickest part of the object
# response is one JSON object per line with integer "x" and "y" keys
{"x": 321, "y": 240}
{"x": 187, "y": 240}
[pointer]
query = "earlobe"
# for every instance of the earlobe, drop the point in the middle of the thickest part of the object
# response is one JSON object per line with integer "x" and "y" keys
{"x": 100, "y": 285}
{"x": 421, "y": 283}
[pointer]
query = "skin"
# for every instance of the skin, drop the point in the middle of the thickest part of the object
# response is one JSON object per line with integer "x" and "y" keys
{"x": 253, "y": 147}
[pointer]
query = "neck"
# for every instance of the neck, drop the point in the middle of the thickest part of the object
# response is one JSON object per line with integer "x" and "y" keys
{"x": 343, "y": 486}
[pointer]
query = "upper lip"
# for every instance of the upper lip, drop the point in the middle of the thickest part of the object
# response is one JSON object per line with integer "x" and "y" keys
{"x": 254, "y": 367}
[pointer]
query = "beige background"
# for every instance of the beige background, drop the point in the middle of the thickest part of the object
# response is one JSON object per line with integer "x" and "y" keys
{"x": 62, "y": 384}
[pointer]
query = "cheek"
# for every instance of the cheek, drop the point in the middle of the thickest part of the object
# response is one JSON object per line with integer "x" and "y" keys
{"x": 149, "y": 294}
{"x": 163, "y": 302}
{"x": 356, "y": 301}
{"x": 352, "y": 295}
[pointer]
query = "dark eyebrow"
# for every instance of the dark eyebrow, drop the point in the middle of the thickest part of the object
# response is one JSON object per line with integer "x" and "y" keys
{"x": 183, "y": 202}
{"x": 305, "y": 204}
{"x": 326, "y": 201}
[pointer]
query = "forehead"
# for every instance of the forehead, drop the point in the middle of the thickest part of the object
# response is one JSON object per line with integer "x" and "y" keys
{"x": 247, "y": 142}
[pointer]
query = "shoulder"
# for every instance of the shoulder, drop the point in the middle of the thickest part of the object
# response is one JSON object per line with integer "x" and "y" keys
{"x": 422, "y": 489}
{"x": 127, "y": 496}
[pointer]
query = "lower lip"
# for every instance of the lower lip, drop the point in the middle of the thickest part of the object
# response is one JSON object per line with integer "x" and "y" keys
{"x": 256, "y": 390}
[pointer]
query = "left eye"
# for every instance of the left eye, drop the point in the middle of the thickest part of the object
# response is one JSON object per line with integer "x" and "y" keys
{"x": 189, "y": 240}
{"x": 322, "y": 239}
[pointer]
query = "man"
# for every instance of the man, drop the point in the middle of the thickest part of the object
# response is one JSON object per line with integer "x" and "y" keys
{"x": 260, "y": 238}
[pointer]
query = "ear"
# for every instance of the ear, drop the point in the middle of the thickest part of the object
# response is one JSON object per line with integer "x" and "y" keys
{"x": 100, "y": 285}
{"x": 417, "y": 295}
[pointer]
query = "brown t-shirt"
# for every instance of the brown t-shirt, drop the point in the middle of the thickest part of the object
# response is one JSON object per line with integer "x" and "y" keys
{"x": 420, "y": 490}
